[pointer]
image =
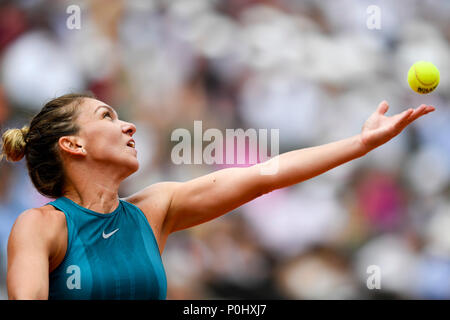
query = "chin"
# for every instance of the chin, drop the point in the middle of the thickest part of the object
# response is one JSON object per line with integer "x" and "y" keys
{"x": 131, "y": 164}
{"x": 131, "y": 170}
{"x": 135, "y": 166}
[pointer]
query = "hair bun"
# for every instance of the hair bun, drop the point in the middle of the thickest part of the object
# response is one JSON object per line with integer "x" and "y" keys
{"x": 14, "y": 143}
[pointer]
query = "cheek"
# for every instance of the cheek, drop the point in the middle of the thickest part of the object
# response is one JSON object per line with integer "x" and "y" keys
{"x": 112, "y": 150}
{"x": 101, "y": 147}
{"x": 106, "y": 143}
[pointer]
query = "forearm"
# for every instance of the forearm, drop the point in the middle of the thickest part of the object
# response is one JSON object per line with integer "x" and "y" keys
{"x": 303, "y": 164}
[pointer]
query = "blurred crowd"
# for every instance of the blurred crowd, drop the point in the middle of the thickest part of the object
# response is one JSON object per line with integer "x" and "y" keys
{"x": 312, "y": 69}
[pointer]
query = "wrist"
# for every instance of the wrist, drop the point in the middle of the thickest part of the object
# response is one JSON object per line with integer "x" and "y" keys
{"x": 361, "y": 146}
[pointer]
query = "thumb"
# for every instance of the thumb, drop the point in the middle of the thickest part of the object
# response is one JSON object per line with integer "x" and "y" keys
{"x": 383, "y": 107}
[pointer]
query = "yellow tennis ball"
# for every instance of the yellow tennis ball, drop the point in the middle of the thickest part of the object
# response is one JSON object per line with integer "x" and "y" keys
{"x": 423, "y": 77}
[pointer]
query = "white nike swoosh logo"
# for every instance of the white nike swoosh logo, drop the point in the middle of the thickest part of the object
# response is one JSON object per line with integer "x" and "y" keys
{"x": 107, "y": 235}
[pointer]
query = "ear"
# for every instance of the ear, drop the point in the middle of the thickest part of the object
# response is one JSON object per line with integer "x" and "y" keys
{"x": 72, "y": 145}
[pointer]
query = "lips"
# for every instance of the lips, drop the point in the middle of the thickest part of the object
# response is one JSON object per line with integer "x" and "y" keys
{"x": 131, "y": 143}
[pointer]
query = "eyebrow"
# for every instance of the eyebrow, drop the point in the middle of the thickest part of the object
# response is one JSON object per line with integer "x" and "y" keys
{"x": 107, "y": 107}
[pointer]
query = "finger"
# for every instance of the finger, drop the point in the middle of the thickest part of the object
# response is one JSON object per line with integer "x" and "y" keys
{"x": 406, "y": 114}
{"x": 430, "y": 109}
{"x": 427, "y": 110}
{"x": 404, "y": 118}
{"x": 420, "y": 111}
{"x": 417, "y": 112}
{"x": 383, "y": 107}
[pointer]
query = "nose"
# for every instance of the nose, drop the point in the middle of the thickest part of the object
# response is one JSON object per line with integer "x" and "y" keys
{"x": 129, "y": 128}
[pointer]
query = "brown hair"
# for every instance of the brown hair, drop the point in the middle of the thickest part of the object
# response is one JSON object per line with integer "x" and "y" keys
{"x": 38, "y": 142}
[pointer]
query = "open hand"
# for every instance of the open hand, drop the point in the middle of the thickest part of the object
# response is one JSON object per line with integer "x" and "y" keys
{"x": 379, "y": 129}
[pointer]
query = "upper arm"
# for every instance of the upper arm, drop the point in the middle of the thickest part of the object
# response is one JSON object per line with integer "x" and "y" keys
{"x": 212, "y": 195}
{"x": 174, "y": 206}
{"x": 28, "y": 257}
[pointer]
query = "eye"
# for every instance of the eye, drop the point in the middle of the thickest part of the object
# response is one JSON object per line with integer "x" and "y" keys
{"x": 107, "y": 114}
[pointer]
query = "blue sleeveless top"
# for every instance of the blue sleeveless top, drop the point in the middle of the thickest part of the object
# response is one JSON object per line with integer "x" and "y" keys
{"x": 109, "y": 256}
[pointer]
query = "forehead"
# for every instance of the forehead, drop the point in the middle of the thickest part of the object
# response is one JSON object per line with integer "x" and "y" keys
{"x": 92, "y": 107}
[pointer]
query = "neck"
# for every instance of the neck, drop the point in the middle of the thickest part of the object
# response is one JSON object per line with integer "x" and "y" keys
{"x": 95, "y": 189}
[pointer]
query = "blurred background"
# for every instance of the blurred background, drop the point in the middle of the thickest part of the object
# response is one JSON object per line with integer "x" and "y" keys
{"x": 315, "y": 71}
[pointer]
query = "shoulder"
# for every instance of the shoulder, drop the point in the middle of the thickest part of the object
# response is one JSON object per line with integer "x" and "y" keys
{"x": 157, "y": 195}
{"x": 42, "y": 224}
{"x": 154, "y": 201}
{"x": 45, "y": 215}
{"x": 39, "y": 218}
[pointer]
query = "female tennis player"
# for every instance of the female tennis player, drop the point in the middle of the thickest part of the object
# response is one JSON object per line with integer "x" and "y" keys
{"x": 89, "y": 243}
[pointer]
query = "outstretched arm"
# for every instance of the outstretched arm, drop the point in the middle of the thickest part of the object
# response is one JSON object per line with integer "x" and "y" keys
{"x": 210, "y": 196}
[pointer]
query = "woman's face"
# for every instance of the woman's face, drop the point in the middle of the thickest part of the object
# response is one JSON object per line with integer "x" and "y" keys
{"x": 104, "y": 137}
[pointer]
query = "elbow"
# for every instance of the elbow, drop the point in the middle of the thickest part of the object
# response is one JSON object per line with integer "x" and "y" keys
{"x": 262, "y": 190}
{"x": 26, "y": 296}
